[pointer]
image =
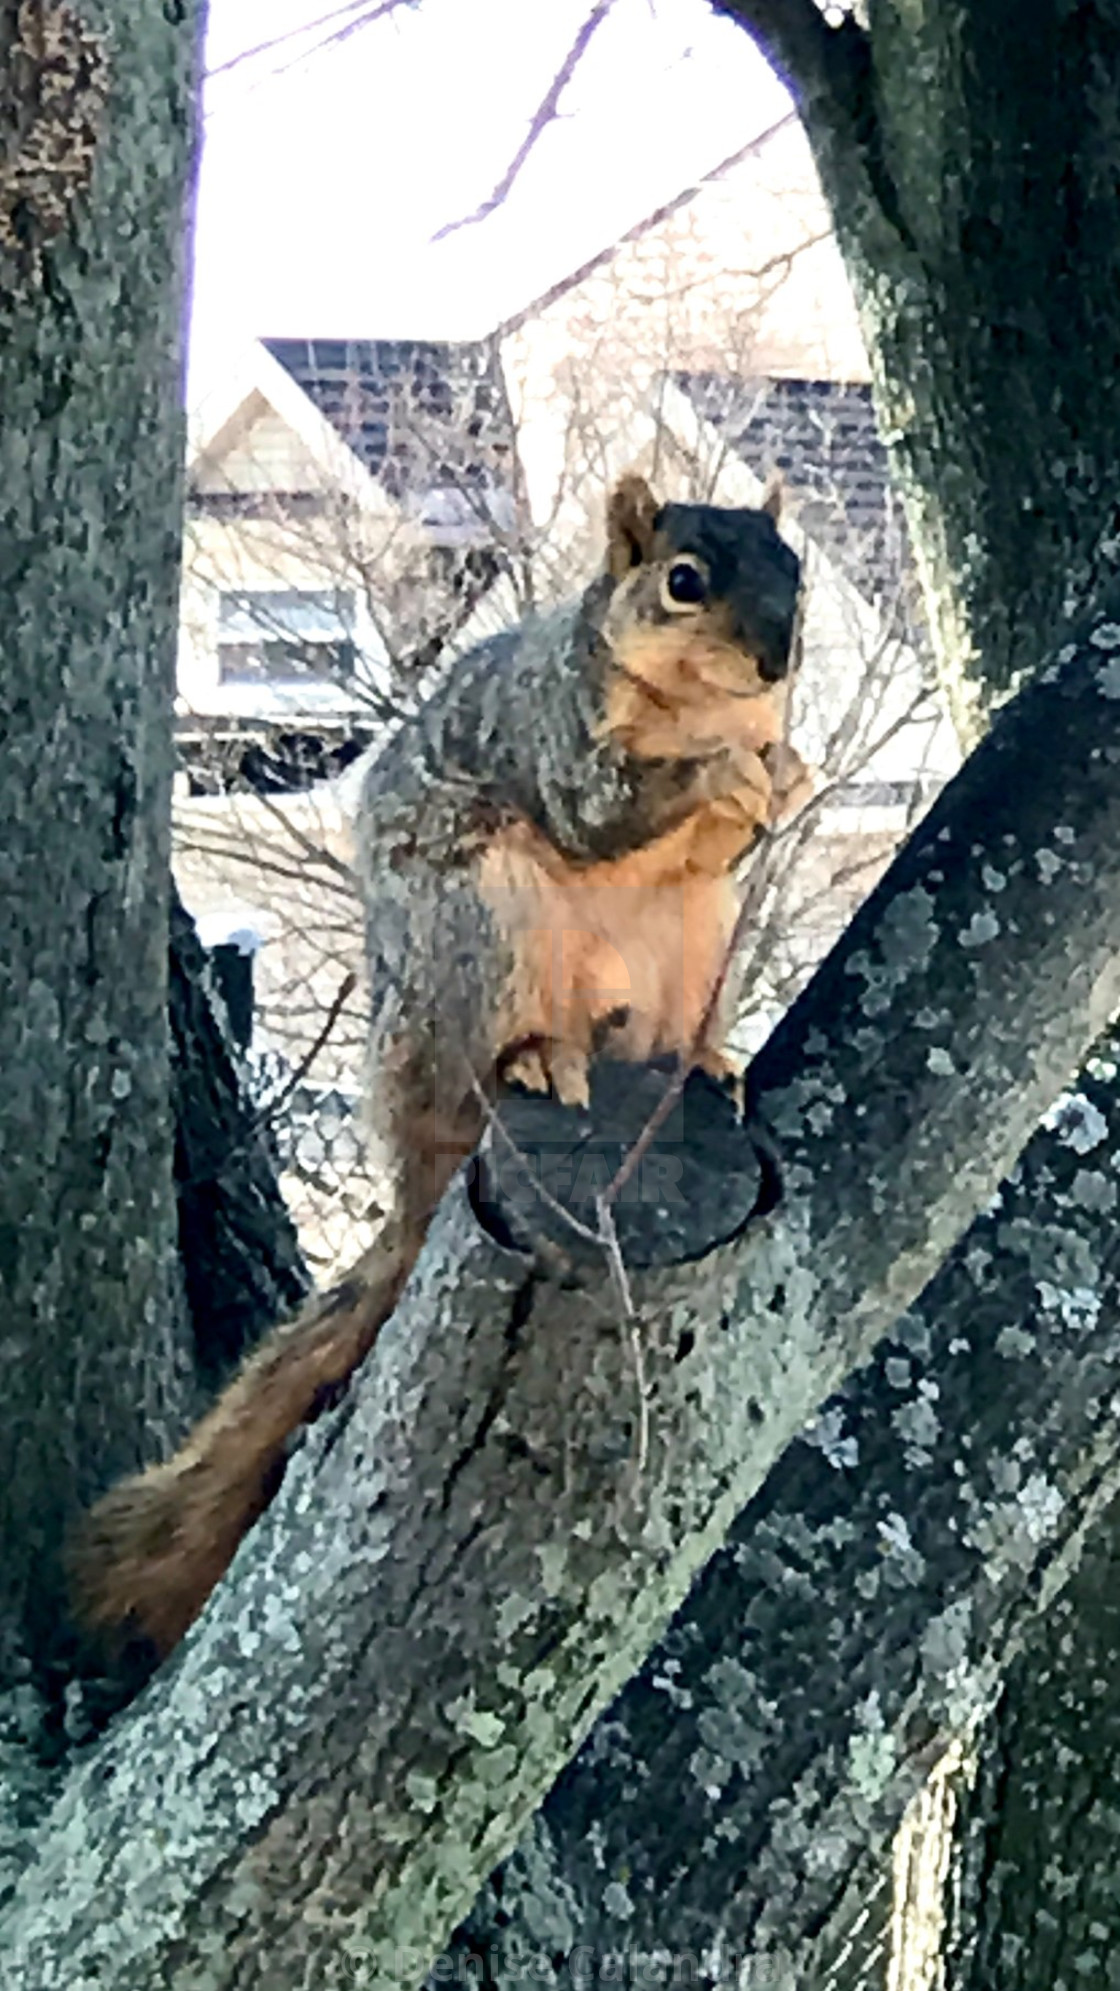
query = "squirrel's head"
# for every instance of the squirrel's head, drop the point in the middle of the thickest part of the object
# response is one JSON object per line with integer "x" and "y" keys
{"x": 721, "y": 586}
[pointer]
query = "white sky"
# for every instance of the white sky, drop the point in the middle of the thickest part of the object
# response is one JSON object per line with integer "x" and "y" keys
{"x": 323, "y": 180}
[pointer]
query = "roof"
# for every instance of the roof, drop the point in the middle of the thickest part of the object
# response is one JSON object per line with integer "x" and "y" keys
{"x": 429, "y": 419}
{"x": 823, "y": 437}
{"x": 648, "y": 222}
{"x": 254, "y": 380}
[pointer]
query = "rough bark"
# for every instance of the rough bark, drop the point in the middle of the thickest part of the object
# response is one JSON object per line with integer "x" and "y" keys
{"x": 466, "y": 1563}
{"x": 736, "y": 1801}
{"x": 242, "y": 1270}
{"x": 973, "y": 171}
{"x": 973, "y": 167}
{"x": 237, "y": 1245}
{"x": 1036, "y": 1894}
{"x": 96, "y": 106}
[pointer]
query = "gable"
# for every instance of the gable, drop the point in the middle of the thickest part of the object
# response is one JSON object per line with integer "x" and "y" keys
{"x": 427, "y": 418}
{"x": 258, "y": 450}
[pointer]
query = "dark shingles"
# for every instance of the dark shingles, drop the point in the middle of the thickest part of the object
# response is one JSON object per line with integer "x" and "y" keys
{"x": 418, "y": 413}
{"x": 822, "y": 436}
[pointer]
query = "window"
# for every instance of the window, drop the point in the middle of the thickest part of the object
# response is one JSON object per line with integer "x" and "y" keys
{"x": 283, "y": 635}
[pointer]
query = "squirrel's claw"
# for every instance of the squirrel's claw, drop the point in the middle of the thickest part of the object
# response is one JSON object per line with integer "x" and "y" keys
{"x": 560, "y": 1069}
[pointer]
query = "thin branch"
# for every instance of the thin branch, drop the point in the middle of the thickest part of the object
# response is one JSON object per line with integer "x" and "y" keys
{"x": 503, "y": 1135}
{"x": 317, "y": 851}
{"x": 272, "y": 1106}
{"x": 200, "y": 846}
{"x": 620, "y": 1280}
{"x": 546, "y": 112}
{"x": 342, "y": 996}
{"x": 362, "y": 15}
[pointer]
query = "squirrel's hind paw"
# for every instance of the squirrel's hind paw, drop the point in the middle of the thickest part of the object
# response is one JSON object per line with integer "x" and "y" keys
{"x": 559, "y": 1068}
{"x": 527, "y": 1069}
{"x": 727, "y": 1072}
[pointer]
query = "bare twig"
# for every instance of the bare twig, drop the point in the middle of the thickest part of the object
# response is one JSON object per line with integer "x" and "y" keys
{"x": 308, "y": 845}
{"x": 547, "y": 110}
{"x": 619, "y": 1279}
{"x": 346, "y": 989}
{"x": 361, "y": 13}
{"x": 272, "y": 1106}
{"x": 503, "y": 1134}
{"x": 200, "y": 847}
{"x": 607, "y": 1236}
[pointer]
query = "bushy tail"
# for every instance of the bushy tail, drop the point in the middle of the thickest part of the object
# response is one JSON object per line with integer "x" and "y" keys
{"x": 147, "y": 1556}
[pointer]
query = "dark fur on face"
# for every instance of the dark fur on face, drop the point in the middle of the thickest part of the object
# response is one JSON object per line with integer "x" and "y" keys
{"x": 747, "y": 579}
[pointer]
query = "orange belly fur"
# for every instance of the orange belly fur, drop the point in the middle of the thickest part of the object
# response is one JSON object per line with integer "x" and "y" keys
{"x": 647, "y": 933}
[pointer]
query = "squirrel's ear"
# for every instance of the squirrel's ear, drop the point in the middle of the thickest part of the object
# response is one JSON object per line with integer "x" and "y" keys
{"x": 772, "y": 496}
{"x": 631, "y": 510}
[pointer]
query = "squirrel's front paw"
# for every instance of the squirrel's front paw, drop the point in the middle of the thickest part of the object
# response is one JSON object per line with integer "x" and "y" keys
{"x": 526, "y": 1069}
{"x": 570, "y": 1081}
{"x": 735, "y": 772}
{"x": 791, "y": 780}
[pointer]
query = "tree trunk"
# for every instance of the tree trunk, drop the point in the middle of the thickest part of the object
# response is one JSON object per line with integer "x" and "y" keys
{"x": 464, "y": 1564}
{"x": 972, "y": 160}
{"x": 973, "y": 170}
{"x": 1035, "y": 1895}
{"x": 738, "y": 1798}
{"x": 96, "y": 102}
{"x": 237, "y": 1245}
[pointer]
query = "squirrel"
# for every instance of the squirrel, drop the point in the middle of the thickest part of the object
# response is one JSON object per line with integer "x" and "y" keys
{"x": 548, "y": 852}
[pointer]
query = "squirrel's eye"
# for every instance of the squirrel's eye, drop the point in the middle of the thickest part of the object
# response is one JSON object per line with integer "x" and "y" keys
{"x": 685, "y": 585}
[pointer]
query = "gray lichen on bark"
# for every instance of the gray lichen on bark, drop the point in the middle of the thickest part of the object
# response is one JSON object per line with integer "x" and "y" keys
{"x": 90, "y": 466}
{"x": 737, "y": 1797}
{"x": 462, "y": 1567}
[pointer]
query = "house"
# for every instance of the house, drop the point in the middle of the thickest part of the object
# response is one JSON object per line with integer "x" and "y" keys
{"x": 360, "y": 510}
{"x": 348, "y": 502}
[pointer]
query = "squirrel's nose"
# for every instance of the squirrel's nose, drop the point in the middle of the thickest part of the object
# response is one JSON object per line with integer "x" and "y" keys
{"x": 768, "y": 641}
{"x": 773, "y": 666}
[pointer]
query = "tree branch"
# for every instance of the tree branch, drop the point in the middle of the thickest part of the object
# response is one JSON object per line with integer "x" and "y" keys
{"x": 546, "y": 112}
{"x": 461, "y": 1568}
{"x": 337, "y": 26}
{"x": 828, "y": 72}
{"x": 236, "y": 1240}
{"x": 860, "y": 1615}
{"x": 809, "y": 55}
